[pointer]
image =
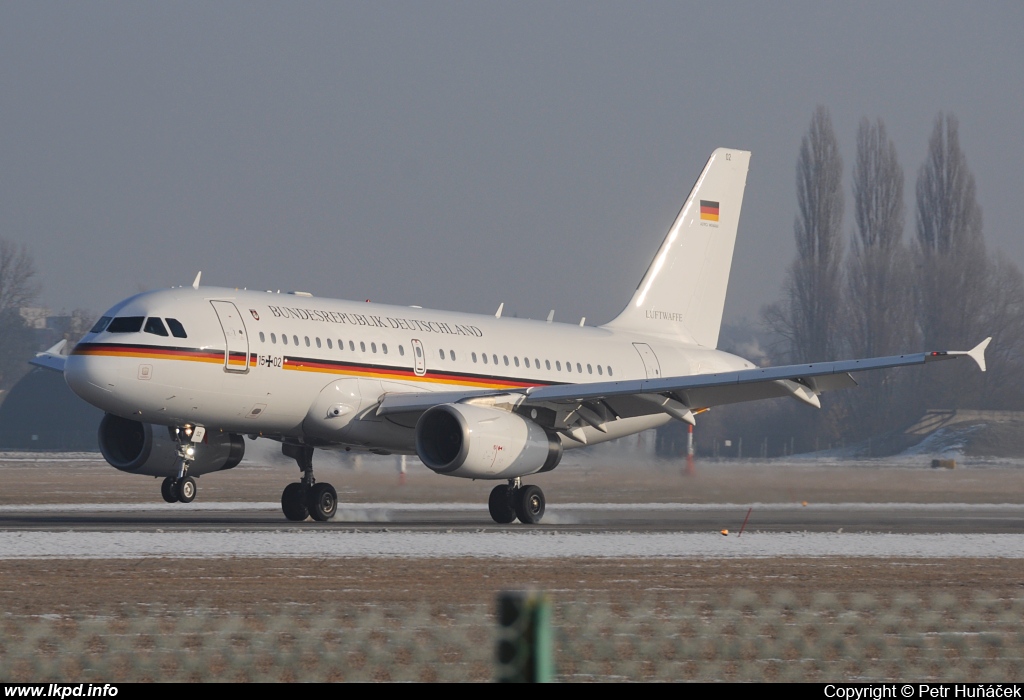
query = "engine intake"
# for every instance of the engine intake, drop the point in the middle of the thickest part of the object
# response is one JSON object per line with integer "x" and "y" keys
{"x": 479, "y": 442}
{"x": 142, "y": 448}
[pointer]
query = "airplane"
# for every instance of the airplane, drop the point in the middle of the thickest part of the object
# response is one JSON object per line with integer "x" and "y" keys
{"x": 183, "y": 374}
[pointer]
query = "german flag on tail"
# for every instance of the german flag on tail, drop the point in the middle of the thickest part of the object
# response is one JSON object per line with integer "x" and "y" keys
{"x": 708, "y": 210}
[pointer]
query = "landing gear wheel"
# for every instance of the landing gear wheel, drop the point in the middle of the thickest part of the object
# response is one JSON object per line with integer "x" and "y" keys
{"x": 323, "y": 502}
{"x": 500, "y": 505}
{"x": 169, "y": 490}
{"x": 293, "y": 502}
{"x": 529, "y": 505}
{"x": 186, "y": 490}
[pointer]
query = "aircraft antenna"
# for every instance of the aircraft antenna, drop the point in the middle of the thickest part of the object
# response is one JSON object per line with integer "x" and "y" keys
{"x": 501, "y": 306}
{"x": 551, "y": 315}
{"x": 195, "y": 283}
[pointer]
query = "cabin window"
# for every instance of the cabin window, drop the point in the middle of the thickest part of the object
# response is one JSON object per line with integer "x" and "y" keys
{"x": 419, "y": 351}
{"x": 505, "y": 357}
{"x": 373, "y": 348}
{"x": 547, "y": 364}
{"x": 609, "y": 370}
{"x": 516, "y": 360}
{"x": 599, "y": 370}
{"x": 485, "y": 358}
{"x": 590, "y": 370}
{"x": 442, "y": 354}
{"x": 579, "y": 368}
{"x": 384, "y": 348}
{"x": 495, "y": 358}
{"x": 401, "y": 350}
{"x": 362, "y": 346}
{"x": 526, "y": 360}
{"x": 155, "y": 326}
{"x": 558, "y": 365}
{"x": 296, "y": 339}
{"x": 100, "y": 325}
{"x": 307, "y": 341}
{"x": 318, "y": 342}
{"x": 273, "y": 338}
{"x": 329, "y": 345}
{"x": 263, "y": 338}
{"x": 126, "y": 324}
{"x": 284, "y": 339}
{"x": 352, "y": 345}
{"x": 452, "y": 353}
{"x": 473, "y": 355}
{"x": 536, "y": 363}
{"x": 568, "y": 367}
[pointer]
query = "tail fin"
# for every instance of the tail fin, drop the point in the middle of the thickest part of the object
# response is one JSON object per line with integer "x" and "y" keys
{"x": 682, "y": 294}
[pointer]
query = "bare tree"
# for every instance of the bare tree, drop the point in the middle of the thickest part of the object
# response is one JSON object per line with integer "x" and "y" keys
{"x": 950, "y": 245}
{"x": 808, "y": 316}
{"x": 18, "y": 288}
{"x": 18, "y": 284}
{"x": 954, "y": 285}
{"x": 879, "y": 308}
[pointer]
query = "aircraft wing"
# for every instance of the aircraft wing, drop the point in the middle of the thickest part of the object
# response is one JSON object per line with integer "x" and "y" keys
{"x": 680, "y": 396}
{"x": 53, "y": 358}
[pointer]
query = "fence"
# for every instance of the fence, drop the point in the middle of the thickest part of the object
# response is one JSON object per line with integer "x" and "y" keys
{"x": 743, "y": 637}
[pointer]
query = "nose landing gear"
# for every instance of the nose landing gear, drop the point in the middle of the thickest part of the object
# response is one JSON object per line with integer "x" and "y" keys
{"x": 506, "y": 503}
{"x": 306, "y": 498}
{"x": 182, "y": 488}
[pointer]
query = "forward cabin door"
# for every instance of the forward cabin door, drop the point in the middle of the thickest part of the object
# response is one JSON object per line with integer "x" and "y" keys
{"x": 236, "y": 340}
{"x": 651, "y": 364}
{"x": 419, "y": 359}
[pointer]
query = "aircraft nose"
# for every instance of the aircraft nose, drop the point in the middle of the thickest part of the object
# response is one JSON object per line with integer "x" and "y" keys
{"x": 92, "y": 378}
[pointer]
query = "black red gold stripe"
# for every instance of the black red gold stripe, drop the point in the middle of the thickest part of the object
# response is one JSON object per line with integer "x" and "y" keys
{"x": 708, "y": 210}
{"x": 305, "y": 364}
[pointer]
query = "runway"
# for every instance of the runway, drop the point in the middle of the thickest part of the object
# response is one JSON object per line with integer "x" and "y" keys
{"x": 389, "y": 530}
{"x": 896, "y": 518}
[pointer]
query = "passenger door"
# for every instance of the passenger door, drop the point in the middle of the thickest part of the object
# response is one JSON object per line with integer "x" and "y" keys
{"x": 236, "y": 340}
{"x": 419, "y": 358}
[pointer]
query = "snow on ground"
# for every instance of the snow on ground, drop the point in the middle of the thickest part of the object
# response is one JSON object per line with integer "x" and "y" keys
{"x": 384, "y": 543}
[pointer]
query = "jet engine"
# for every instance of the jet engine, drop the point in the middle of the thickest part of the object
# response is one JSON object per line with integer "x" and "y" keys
{"x": 142, "y": 448}
{"x": 478, "y": 442}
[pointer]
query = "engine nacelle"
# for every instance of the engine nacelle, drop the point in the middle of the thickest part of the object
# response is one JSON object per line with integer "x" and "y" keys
{"x": 477, "y": 442}
{"x": 142, "y": 448}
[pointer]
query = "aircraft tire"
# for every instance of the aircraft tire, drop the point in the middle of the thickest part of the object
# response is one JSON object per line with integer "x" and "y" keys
{"x": 498, "y": 504}
{"x": 529, "y": 505}
{"x": 169, "y": 490}
{"x": 186, "y": 489}
{"x": 323, "y": 502}
{"x": 293, "y": 502}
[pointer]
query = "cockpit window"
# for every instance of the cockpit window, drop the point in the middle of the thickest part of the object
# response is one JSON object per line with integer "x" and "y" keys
{"x": 177, "y": 330}
{"x": 100, "y": 325}
{"x": 126, "y": 324}
{"x": 155, "y": 326}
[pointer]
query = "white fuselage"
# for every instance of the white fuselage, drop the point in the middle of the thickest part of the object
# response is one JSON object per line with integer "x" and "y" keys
{"x": 271, "y": 364}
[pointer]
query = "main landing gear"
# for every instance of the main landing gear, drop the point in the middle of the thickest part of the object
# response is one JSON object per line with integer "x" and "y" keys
{"x": 182, "y": 487}
{"x": 507, "y": 503}
{"x": 306, "y": 498}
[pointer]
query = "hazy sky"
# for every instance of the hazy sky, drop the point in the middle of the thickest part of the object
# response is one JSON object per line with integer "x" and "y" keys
{"x": 458, "y": 155}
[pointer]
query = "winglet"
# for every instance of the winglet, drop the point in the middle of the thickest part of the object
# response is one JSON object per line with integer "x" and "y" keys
{"x": 54, "y": 358}
{"x": 195, "y": 283}
{"x": 978, "y": 352}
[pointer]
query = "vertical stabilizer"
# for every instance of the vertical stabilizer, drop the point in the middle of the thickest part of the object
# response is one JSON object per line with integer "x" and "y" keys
{"x": 682, "y": 294}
